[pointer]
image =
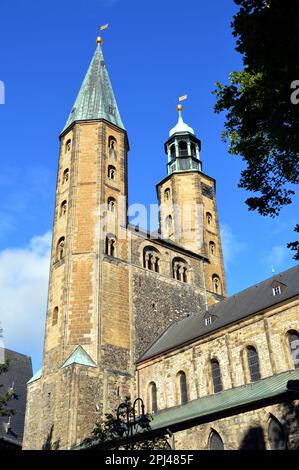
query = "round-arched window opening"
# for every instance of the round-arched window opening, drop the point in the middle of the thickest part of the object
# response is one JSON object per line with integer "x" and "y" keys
{"x": 112, "y": 172}
{"x": 183, "y": 391}
{"x": 60, "y": 250}
{"x": 68, "y": 145}
{"x": 253, "y": 364}
{"x": 167, "y": 194}
{"x": 111, "y": 204}
{"x": 212, "y": 248}
{"x": 293, "y": 337}
{"x": 209, "y": 218}
{"x": 55, "y": 316}
{"x": 216, "y": 283}
{"x": 112, "y": 142}
{"x": 63, "y": 208}
{"x": 65, "y": 176}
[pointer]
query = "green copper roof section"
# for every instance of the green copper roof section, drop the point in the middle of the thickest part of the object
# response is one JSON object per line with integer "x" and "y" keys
{"x": 230, "y": 399}
{"x": 96, "y": 98}
{"x": 36, "y": 376}
{"x": 79, "y": 356}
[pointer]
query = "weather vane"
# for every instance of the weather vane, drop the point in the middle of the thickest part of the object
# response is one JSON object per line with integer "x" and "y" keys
{"x": 102, "y": 28}
{"x": 181, "y": 98}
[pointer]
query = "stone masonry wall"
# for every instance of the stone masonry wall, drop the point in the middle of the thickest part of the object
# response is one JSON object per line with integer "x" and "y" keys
{"x": 244, "y": 431}
{"x": 266, "y": 332}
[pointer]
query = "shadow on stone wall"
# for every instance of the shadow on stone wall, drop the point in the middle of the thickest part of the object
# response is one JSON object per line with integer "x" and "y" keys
{"x": 48, "y": 444}
{"x": 254, "y": 439}
{"x": 285, "y": 438}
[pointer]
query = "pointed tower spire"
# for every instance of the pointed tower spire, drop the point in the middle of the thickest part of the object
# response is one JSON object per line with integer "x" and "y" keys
{"x": 96, "y": 99}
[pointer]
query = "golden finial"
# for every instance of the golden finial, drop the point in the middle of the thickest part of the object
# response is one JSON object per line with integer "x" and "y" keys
{"x": 99, "y": 38}
{"x": 179, "y": 106}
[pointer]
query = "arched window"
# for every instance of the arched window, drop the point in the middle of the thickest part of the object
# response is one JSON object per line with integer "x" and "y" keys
{"x": 60, "y": 249}
{"x": 111, "y": 204}
{"x": 167, "y": 194}
{"x": 168, "y": 225}
{"x": 209, "y": 218}
{"x": 217, "y": 289}
{"x": 110, "y": 245}
{"x": 212, "y": 248}
{"x": 180, "y": 269}
{"x": 294, "y": 347}
{"x": 66, "y": 175}
{"x": 63, "y": 208}
{"x": 253, "y": 364}
{"x": 216, "y": 376}
{"x": 151, "y": 259}
{"x": 153, "y": 397}
{"x": 183, "y": 392}
{"x": 112, "y": 142}
{"x": 276, "y": 435}
{"x": 68, "y": 145}
{"x": 112, "y": 172}
{"x": 215, "y": 441}
{"x": 55, "y": 316}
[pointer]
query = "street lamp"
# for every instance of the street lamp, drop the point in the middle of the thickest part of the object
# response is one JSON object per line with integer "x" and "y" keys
{"x": 131, "y": 425}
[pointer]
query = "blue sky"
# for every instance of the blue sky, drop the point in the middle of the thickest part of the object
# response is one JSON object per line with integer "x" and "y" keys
{"x": 155, "y": 51}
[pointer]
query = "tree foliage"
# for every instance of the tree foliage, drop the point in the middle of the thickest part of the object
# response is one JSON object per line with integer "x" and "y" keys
{"x": 7, "y": 396}
{"x": 262, "y": 123}
{"x": 116, "y": 432}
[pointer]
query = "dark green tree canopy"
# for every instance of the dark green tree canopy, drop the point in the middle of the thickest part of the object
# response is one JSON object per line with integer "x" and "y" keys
{"x": 262, "y": 121}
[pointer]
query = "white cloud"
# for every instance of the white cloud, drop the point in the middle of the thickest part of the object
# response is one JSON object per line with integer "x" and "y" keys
{"x": 24, "y": 276}
{"x": 277, "y": 257}
{"x": 230, "y": 245}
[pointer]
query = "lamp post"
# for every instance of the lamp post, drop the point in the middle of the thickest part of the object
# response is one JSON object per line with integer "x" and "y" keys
{"x": 132, "y": 422}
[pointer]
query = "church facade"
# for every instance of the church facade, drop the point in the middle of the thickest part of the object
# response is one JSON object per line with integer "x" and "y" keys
{"x": 142, "y": 314}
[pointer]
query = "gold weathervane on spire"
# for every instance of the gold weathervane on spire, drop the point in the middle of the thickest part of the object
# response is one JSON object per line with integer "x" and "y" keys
{"x": 101, "y": 28}
{"x": 181, "y": 98}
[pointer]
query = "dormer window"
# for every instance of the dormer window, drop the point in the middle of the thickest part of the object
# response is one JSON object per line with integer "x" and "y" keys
{"x": 208, "y": 321}
{"x": 276, "y": 290}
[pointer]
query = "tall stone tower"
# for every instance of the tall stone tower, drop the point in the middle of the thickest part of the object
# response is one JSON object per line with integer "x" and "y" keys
{"x": 187, "y": 198}
{"x": 114, "y": 288}
{"x": 87, "y": 326}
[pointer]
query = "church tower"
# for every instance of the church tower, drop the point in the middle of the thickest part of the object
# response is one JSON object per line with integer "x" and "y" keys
{"x": 187, "y": 199}
{"x": 86, "y": 363}
{"x": 113, "y": 288}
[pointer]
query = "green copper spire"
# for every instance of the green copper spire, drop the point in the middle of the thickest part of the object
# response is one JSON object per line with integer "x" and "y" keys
{"x": 96, "y": 98}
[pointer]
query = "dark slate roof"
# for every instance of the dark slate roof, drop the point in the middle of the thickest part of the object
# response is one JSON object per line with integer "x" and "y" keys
{"x": 18, "y": 374}
{"x": 230, "y": 310}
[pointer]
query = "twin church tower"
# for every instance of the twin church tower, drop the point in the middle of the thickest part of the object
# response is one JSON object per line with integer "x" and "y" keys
{"x": 113, "y": 287}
